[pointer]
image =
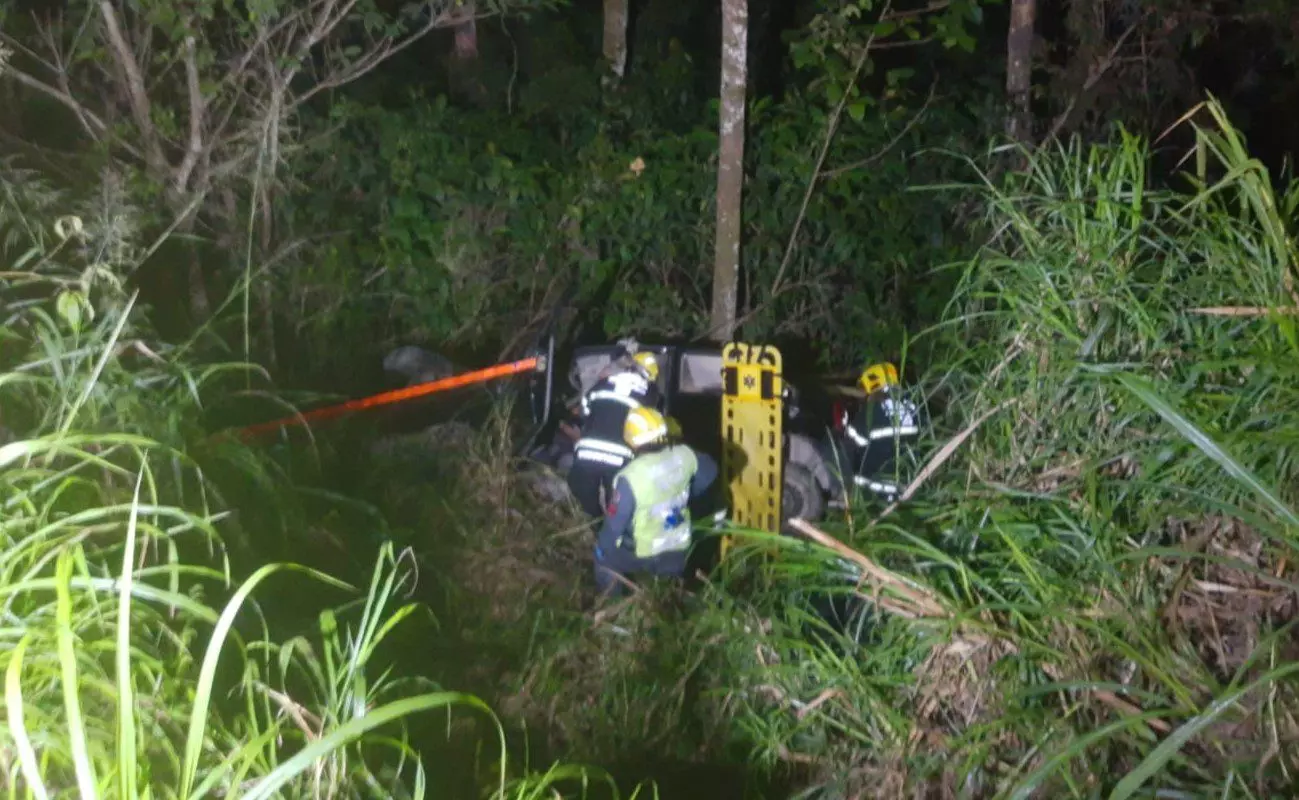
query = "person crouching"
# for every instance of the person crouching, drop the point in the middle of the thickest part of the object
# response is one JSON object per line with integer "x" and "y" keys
{"x": 628, "y": 384}
{"x": 647, "y": 528}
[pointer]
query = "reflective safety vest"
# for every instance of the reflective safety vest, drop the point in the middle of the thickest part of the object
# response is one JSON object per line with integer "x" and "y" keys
{"x": 660, "y": 484}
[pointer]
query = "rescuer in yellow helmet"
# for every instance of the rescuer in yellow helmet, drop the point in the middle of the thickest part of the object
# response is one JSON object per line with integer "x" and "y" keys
{"x": 629, "y": 382}
{"x": 647, "y": 521}
{"x": 873, "y": 438}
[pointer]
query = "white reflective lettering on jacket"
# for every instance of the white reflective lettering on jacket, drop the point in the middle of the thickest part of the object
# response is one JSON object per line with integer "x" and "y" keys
{"x": 902, "y": 412}
{"x": 601, "y": 451}
{"x": 668, "y": 479}
{"x": 624, "y": 387}
{"x": 672, "y": 537}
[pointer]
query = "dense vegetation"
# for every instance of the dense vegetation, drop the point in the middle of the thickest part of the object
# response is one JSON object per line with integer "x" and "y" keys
{"x": 1090, "y": 591}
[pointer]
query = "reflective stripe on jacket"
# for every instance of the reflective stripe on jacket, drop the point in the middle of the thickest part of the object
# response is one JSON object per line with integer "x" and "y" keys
{"x": 605, "y": 409}
{"x": 601, "y": 451}
{"x": 884, "y": 427}
{"x": 889, "y": 418}
{"x": 660, "y": 483}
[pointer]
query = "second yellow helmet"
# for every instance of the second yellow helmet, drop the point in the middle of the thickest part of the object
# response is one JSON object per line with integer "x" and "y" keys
{"x": 644, "y": 426}
{"x": 648, "y": 363}
{"x": 878, "y": 376}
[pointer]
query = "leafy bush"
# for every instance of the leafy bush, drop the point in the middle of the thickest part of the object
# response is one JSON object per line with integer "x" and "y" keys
{"x": 466, "y": 229}
{"x": 1096, "y": 595}
{"x": 132, "y": 666}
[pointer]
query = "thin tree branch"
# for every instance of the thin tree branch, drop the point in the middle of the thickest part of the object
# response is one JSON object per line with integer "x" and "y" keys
{"x": 383, "y": 51}
{"x": 196, "y": 114}
{"x": 831, "y": 127}
{"x": 938, "y": 5}
{"x": 903, "y": 43}
{"x": 866, "y": 162}
{"x": 134, "y": 85}
{"x": 92, "y": 123}
{"x": 1094, "y": 74}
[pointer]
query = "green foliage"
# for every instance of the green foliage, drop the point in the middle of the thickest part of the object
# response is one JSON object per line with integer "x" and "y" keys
{"x": 1094, "y": 597}
{"x": 841, "y": 33}
{"x": 463, "y": 228}
{"x": 134, "y": 663}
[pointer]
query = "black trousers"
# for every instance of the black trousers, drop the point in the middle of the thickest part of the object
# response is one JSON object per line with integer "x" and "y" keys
{"x": 591, "y": 482}
{"x": 625, "y": 563}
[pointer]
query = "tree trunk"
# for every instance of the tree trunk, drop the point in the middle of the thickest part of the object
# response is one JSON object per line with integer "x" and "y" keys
{"x": 200, "y": 306}
{"x": 615, "y": 36}
{"x": 465, "y": 69}
{"x": 730, "y": 168}
{"x": 266, "y": 291}
{"x": 466, "y": 47}
{"x": 1019, "y": 69}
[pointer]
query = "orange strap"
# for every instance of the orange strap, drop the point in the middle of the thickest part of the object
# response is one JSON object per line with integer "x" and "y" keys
{"x": 395, "y": 396}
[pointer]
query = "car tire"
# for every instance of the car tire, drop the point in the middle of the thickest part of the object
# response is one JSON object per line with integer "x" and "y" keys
{"x": 801, "y": 495}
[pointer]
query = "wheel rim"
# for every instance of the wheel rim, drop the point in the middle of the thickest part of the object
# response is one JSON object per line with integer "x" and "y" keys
{"x": 791, "y": 503}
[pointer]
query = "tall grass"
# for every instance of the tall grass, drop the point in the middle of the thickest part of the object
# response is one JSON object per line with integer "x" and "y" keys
{"x": 1095, "y": 597}
{"x": 135, "y": 662}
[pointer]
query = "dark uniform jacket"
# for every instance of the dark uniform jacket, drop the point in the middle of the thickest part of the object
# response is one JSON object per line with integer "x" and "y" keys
{"x": 604, "y": 411}
{"x": 882, "y": 429}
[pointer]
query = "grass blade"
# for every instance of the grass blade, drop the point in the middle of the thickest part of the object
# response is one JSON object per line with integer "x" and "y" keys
{"x": 207, "y": 675}
{"x": 110, "y": 348}
{"x": 68, "y": 664}
{"x": 1205, "y": 444}
{"x": 126, "y": 755}
{"x": 14, "y": 702}
{"x": 1169, "y": 747}
{"x": 360, "y": 725}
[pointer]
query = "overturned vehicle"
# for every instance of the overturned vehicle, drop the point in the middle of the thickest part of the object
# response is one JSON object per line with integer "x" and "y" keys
{"x": 693, "y": 381}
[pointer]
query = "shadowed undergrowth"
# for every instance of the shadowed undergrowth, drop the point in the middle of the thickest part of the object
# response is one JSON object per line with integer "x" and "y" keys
{"x": 1092, "y": 594}
{"x": 1095, "y": 595}
{"x": 137, "y": 660}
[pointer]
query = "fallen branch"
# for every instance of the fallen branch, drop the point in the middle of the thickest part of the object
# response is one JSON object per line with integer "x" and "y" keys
{"x": 915, "y": 602}
{"x": 920, "y": 602}
{"x": 938, "y": 459}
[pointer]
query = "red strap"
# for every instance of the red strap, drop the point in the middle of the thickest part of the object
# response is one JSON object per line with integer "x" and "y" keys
{"x": 396, "y": 396}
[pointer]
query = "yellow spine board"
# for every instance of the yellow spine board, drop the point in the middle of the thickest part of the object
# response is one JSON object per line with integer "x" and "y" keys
{"x": 752, "y": 429}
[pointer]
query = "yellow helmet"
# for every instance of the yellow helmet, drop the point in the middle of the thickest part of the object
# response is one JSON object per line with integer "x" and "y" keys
{"x": 878, "y": 376}
{"x": 648, "y": 363}
{"x": 644, "y": 426}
